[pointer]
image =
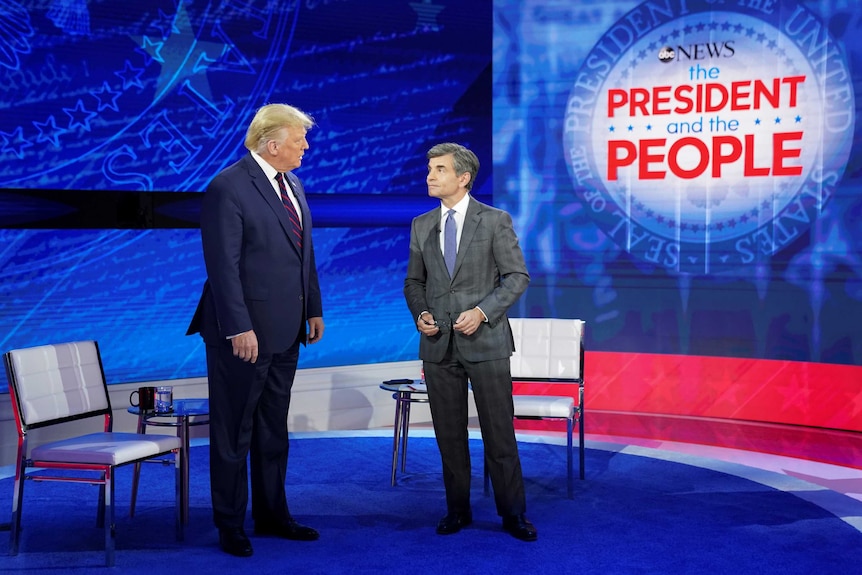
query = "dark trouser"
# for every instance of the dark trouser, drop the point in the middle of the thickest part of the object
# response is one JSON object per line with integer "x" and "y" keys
{"x": 248, "y": 415}
{"x": 492, "y": 389}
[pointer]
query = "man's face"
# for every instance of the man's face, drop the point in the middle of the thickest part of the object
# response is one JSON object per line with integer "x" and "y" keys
{"x": 442, "y": 181}
{"x": 288, "y": 152}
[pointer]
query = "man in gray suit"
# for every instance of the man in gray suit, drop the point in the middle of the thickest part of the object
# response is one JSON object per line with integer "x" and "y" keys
{"x": 465, "y": 270}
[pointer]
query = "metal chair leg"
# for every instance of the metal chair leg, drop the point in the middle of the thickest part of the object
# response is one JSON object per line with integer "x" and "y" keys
{"x": 109, "y": 520}
{"x": 17, "y": 506}
{"x": 581, "y": 447}
{"x": 100, "y": 508}
{"x": 569, "y": 458}
{"x": 136, "y": 478}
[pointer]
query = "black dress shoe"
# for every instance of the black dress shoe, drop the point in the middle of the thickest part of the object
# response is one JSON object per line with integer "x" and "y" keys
{"x": 453, "y": 522}
{"x": 288, "y": 530}
{"x": 520, "y": 527}
{"x": 235, "y": 542}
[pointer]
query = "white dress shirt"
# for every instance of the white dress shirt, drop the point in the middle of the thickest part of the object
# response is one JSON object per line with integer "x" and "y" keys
{"x": 460, "y": 214}
{"x": 271, "y": 173}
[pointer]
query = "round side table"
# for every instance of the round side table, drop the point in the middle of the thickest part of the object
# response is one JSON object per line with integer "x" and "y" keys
{"x": 186, "y": 413}
{"x": 405, "y": 393}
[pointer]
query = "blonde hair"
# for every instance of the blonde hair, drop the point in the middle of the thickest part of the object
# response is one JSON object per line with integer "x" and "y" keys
{"x": 271, "y": 119}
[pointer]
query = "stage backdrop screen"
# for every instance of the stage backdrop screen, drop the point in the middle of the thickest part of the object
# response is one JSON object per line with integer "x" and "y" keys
{"x": 683, "y": 175}
{"x": 114, "y": 116}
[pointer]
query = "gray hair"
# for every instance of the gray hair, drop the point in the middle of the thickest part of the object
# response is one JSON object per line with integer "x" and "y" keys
{"x": 463, "y": 160}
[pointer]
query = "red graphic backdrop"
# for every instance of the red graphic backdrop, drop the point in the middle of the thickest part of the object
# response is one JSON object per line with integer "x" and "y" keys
{"x": 783, "y": 392}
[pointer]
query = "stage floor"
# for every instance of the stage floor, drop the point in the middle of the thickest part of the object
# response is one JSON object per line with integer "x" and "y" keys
{"x": 827, "y": 458}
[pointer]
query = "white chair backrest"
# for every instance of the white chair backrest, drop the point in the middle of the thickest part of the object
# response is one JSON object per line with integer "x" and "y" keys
{"x": 547, "y": 348}
{"x": 57, "y": 381}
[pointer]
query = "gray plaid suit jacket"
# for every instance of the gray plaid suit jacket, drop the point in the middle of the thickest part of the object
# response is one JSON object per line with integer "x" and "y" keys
{"x": 489, "y": 273}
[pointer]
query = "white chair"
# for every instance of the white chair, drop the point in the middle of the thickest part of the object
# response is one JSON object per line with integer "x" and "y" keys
{"x": 550, "y": 350}
{"x": 54, "y": 384}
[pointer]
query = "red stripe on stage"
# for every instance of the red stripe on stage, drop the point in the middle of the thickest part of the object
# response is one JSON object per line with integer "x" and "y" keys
{"x": 772, "y": 391}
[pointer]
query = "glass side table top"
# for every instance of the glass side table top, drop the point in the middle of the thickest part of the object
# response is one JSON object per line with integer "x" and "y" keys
{"x": 181, "y": 408}
{"x": 404, "y": 385}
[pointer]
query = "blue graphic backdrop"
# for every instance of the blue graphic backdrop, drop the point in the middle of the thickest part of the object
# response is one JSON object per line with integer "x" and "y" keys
{"x": 110, "y": 110}
{"x": 114, "y": 116}
{"x": 554, "y": 62}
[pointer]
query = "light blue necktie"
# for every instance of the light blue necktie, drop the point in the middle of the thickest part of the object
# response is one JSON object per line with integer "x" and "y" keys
{"x": 450, "y": 242}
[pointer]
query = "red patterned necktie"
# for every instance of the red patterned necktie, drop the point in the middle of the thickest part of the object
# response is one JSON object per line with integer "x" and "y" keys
{"x": 291, "y": 210}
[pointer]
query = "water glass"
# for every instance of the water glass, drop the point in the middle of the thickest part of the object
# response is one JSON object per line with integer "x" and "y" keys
{"x": 164, "y": 399}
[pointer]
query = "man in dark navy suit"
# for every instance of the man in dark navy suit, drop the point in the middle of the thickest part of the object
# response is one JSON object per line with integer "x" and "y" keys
{"x": 260, "y": 302}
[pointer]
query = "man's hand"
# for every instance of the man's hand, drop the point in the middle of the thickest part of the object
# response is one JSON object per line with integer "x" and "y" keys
{"x": 245, "y": 346}
{"x": 315, "y": 329}
{"x": 469, "y": 321}
{"x": 426, "y": 325}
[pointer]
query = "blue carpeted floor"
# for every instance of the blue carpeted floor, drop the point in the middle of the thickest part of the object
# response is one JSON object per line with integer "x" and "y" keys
{"x": 632, "y": 515}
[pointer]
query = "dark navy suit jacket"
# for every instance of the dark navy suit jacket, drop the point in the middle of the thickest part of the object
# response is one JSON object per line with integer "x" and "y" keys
{"x": 258, "y": 277}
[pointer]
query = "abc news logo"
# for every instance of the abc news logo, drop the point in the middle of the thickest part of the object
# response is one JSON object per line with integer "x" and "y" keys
{"x": 694, "y": 52}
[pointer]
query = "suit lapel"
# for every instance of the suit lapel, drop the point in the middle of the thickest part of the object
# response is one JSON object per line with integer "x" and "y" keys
{"x": 265, "y": 189}
{"x": 431, "y": 245}
{"x": 472, "y": 219}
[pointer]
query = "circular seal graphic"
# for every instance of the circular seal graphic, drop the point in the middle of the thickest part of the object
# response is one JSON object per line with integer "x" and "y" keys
{"x": 702, "y": 139}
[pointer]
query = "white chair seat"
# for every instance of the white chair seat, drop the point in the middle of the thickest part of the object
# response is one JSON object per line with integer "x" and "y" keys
{"x": 550, "y": 351}
{"x": 53, "y": 385}
{"x": 561, "y": 407}
{"x": 106, "y": 448}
